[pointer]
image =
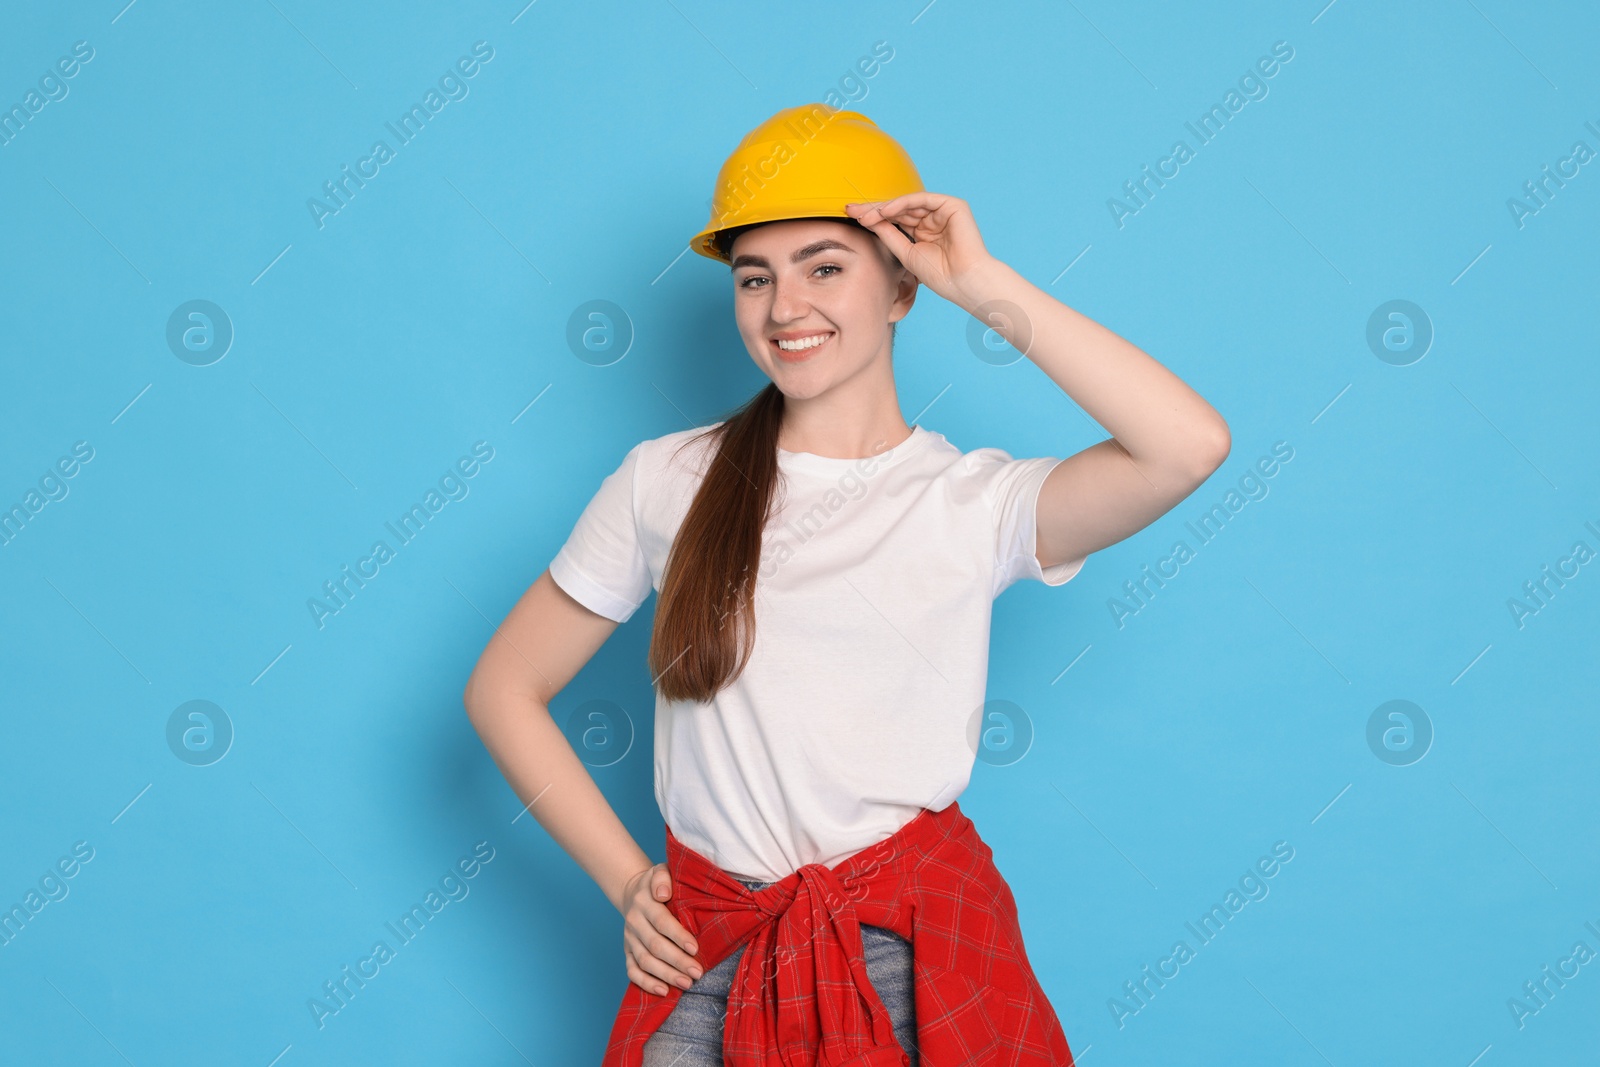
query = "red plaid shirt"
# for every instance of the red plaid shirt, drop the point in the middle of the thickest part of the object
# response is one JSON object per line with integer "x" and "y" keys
{"x": 801, "y": 996}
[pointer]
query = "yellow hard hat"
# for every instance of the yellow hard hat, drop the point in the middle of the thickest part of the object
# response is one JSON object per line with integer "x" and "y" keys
{"x": 806, "y": 162}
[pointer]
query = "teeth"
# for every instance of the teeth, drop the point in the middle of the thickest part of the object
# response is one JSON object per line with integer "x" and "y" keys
{"x": 803, "y": 343}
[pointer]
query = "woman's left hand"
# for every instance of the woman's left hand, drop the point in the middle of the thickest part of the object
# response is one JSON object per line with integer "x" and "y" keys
{"x": 945, "y": 248}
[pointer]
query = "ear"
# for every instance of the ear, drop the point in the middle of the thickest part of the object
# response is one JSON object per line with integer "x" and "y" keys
{"x": 905, "y": 295}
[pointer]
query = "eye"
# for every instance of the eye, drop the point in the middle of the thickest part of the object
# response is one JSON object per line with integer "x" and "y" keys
{"x": 832, "y": 268}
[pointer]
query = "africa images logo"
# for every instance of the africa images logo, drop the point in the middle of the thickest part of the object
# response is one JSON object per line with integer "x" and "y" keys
{"x": 453, "y": 485}
{"x": 452, "y": 85}
{"x": 452, "y": 887}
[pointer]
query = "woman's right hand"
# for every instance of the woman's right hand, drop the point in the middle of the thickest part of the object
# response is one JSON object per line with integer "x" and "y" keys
{"x": 655, "y": 945}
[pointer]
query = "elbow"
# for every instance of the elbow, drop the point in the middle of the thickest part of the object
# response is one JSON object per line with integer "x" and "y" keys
{"x": 490, "y": 697}
{"x": 470, "y": 698}
{"x": 1210, "y": 451}
{"x": 1222, "y": 443}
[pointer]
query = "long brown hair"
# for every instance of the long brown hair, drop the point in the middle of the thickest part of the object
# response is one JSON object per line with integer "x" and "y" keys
{"x": 705, "y": 623}
{"x": 705, "y": 616}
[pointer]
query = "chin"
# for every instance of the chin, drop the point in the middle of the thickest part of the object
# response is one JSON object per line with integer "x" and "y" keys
{"x": 800, "y": 390}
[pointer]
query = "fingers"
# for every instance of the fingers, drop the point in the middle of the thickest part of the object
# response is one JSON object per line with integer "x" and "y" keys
{"x": 905, "y": 223}
{"x": 667, "y": 926}
{"x": 652, "y": 972}
{"x": 644, "y": 980}
{"x": 912, "y": 205}
{"x": 668, "y": 940}
{"x": 657, "y": 946}
{"x": 677, "y": 945}
{"x": 889, "y": 233}
{"x": 915, "y": 218}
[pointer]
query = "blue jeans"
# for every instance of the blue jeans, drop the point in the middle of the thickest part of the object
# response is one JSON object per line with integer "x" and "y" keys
{"x": 692, "y": 1035}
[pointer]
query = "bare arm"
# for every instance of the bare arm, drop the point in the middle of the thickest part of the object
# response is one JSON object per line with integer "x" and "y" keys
{"x": 534, "y": 653}
{"x": 1165, "y": 441}
{"x": 545, "y": 640}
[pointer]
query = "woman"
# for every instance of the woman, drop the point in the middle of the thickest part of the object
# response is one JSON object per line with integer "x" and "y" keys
{"x": 825, "y": 573}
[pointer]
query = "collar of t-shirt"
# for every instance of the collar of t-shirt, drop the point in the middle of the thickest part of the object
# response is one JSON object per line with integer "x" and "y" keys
{"x": 809, "y": 463}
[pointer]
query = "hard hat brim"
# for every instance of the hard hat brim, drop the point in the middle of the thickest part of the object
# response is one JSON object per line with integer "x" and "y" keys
{"x": 822, "y": 207}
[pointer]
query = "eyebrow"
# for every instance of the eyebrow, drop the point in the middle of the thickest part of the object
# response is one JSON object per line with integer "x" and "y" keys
{"x": 804, "y": 252}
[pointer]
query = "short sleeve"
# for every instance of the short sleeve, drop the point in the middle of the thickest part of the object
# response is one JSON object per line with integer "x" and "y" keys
{"x": 1012, "y": 490}
{"x": 602, "y": 564}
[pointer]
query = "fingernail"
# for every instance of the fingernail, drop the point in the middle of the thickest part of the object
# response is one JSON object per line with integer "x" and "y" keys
{"x": 696, "y": 972}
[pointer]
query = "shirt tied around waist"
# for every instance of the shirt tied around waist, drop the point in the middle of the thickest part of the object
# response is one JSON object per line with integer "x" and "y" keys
{"x": 801, "y": 996}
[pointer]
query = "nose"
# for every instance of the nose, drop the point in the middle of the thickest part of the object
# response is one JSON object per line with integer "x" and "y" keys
{"x": 788, "y": 303}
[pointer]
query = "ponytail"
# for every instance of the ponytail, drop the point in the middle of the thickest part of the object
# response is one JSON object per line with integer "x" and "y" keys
{"x": 705, "y": 616}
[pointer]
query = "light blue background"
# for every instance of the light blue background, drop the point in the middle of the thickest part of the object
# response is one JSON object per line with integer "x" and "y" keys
{"x": 1230, "y": 713}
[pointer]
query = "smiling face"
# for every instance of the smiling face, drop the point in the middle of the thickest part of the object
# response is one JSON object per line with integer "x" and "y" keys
{"x": 814, "y": 300}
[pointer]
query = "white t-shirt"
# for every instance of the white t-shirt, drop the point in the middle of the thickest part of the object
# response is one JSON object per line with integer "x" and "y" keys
{"x": 860, "y": 701}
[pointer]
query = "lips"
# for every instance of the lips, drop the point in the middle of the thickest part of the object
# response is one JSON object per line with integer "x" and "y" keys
{"x": 801, "y": 355}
